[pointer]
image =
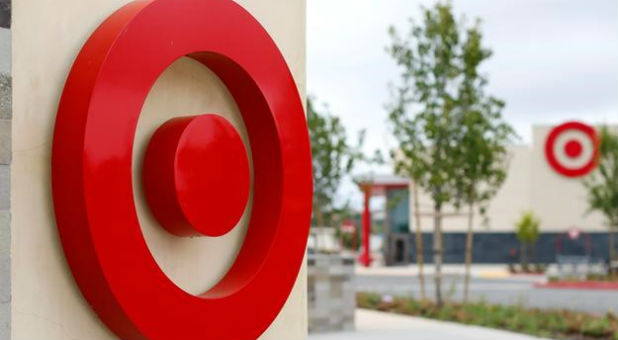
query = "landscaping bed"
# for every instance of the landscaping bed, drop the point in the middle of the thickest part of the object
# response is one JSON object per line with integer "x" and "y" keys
{"x": 534, "y": 269}
{"x": 588, "y": 278}
{"x": 557, "y": 324}
{"x": 591, "y": 281}
{"x": 590, "y": 285}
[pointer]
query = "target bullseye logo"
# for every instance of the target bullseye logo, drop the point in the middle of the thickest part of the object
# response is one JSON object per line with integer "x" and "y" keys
{"x": 571, "y": 149}
{"x": 195, "y": 172}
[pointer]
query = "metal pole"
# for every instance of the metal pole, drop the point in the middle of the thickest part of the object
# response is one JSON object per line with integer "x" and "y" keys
{"x": 365, "y": 257}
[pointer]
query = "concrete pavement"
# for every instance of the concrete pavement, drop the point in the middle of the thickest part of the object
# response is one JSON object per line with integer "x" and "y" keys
{"x": 490, "y": 283}
{"x": 371, "y": 325}
{"x": 493, "y": 271}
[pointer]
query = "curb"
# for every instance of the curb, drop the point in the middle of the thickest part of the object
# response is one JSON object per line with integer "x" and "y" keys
{"x": 587, "y": 285}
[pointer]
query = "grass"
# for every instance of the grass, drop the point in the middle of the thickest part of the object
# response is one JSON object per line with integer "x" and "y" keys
{"x": 557, "y": 324}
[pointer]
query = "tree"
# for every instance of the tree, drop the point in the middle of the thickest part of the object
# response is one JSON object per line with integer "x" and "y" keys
{"x": 422, "y": 111}
{"x": 419, "y": 241}
{"x": 482, "y": 144}
{"x": 332, "y": 158}
{"x": 527, "y": 231}
{"x": 602, "y": 185}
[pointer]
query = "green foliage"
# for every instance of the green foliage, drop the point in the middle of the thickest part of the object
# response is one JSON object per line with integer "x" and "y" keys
{"x": 332, "y": 158}
{"x": 597, "y": 328}
{"x": 589, "y": 277}
{"x": 527, "y": 232}
{"x": 484, "y": 135}
{"x": 602, "y": 184}
{"x": 452, "y": 137}
{"x": 369, "y": 301}
{"x": 422, "y": 112}
{"x": 527, "y": 228}
{"x": 544, "y": 323}
{"x": 350, "y": 241}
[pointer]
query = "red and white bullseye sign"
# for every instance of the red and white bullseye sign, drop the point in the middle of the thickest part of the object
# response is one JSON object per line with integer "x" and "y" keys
{"x": 571, "y": 149}
{"x": 195, "y": 172}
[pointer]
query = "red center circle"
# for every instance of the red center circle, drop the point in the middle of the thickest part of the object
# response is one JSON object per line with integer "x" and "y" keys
{"x": 573, "y": 148}
{"x": 196, "y": 176}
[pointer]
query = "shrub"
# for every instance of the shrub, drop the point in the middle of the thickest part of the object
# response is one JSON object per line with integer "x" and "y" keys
{"x": 544, "y": 323}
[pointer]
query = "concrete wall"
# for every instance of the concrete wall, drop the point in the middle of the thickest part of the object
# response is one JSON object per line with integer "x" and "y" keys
{"x": 331, "y": 291}
{"x": 47, "y": 35}
{"x": 5, "y": 163}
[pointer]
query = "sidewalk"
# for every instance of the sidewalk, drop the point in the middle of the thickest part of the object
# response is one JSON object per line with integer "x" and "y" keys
{"x": 372, "y": 325}
{"x": 486, "y": 271}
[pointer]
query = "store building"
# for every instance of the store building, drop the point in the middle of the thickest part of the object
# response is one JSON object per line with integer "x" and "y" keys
{"x": 533, "y": 184}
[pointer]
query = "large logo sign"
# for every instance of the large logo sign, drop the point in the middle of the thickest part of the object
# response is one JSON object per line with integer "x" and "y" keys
{"x": 195, "y": 171}
{"x": 571, "y": 149}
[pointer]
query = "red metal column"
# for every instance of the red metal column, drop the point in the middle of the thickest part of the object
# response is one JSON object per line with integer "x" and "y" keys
{"x": 365, "y": 257}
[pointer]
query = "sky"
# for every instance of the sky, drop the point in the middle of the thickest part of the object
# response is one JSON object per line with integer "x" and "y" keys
{"x": 552, "y": 61}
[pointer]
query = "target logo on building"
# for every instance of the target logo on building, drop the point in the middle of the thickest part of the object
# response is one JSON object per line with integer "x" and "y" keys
{"x": 196, "y": 172}
{"x": 571, "y": 149}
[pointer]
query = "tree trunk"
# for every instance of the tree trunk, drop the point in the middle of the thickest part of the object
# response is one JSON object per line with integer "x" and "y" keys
{"x": 319, "y": 219}
{"x": 419, "y": 243}
{"x": 612, "y": 247}
{"x": 524, "y": 259}
{"x": 437, "y": 252}
{"x": 469, "y": 240}
{"x": 533, "y": 254}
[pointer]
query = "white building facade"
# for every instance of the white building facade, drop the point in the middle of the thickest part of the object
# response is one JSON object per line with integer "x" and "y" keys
{"x": 532, "y": 184}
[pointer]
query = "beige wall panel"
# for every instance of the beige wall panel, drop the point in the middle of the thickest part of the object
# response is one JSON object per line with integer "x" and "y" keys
{"x": 512, "y": 199}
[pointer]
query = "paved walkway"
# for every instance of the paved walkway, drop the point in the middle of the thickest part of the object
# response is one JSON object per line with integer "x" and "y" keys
{"x": 488, "y": 271}
{"x": 371, "y": 325}
{"x": 516, "y": 289}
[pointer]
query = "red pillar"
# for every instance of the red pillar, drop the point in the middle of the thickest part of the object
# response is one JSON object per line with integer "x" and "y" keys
{"x": 365, "y": 257}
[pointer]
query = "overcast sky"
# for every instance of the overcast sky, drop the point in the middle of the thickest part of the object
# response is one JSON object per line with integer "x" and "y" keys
{"x": 553, "y": 60}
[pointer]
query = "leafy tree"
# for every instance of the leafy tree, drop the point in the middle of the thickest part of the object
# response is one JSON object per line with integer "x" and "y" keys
{"x": 332, "y": 158}
{"x": 527, "y": 231}
{"x": 482, "y": 141}
{"x": 602, "y": 185}
{"x": 423, "y": 111}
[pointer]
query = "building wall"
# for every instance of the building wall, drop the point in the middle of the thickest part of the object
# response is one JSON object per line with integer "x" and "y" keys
{"x": 47, "y": 35}
{"x": 560, "y": 202}
{"x": 531, "y": 184}
{"x": 514, "y": 196}
{"x": 503, "y": 247}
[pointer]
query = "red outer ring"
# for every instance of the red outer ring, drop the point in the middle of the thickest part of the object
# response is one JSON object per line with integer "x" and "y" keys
{"x": 91, "y": 171}
{"x": 551, "y": 157}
